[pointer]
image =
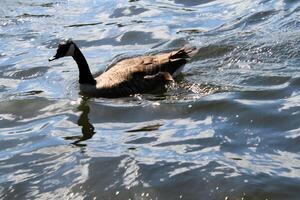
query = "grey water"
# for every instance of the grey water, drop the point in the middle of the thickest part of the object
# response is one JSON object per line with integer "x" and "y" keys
{"x": 229, "y": 129}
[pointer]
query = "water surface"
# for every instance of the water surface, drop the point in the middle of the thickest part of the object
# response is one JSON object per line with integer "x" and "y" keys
{"x": 229, "y": 129}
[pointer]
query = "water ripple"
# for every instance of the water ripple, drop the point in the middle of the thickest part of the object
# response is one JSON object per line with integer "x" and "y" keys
{"x": 229, "y": 128}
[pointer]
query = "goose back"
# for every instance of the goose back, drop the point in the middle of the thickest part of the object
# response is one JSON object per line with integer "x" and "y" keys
{"x": 130, "y": 72}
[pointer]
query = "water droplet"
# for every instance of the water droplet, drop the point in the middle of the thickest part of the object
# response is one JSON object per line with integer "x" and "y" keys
{"x": 155, "y": 103}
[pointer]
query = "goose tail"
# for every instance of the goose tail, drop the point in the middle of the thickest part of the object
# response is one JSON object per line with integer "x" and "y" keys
{"x": 186, "y": 52}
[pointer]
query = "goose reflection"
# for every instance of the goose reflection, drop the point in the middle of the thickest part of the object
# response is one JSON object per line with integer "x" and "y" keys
{"x": 87, "y": 129}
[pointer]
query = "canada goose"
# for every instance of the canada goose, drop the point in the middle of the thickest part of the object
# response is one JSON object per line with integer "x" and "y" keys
{"x": 140, "y": 74}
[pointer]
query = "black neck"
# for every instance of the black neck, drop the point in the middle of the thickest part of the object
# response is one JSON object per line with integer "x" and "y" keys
{"x": 85, "y": 75}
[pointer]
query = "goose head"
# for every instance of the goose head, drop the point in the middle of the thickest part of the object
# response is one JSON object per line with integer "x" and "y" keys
{"x": 66, "y": 48}
{"x": 69, "y": 48}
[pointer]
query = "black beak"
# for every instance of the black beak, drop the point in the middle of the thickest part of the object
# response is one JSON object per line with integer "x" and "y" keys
{"x": 52, "y": 58}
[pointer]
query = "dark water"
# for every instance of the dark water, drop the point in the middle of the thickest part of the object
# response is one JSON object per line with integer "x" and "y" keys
{"x": 229, "y": 130}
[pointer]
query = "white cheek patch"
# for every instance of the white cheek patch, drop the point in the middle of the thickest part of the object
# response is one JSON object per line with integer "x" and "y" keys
{"x": 71, "y": 50}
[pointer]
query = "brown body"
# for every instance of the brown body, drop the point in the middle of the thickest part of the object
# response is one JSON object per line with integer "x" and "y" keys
{"x": 141, "y": 74}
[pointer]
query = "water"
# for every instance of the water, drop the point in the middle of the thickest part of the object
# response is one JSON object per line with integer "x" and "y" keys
{"x": 229, "y": 129}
